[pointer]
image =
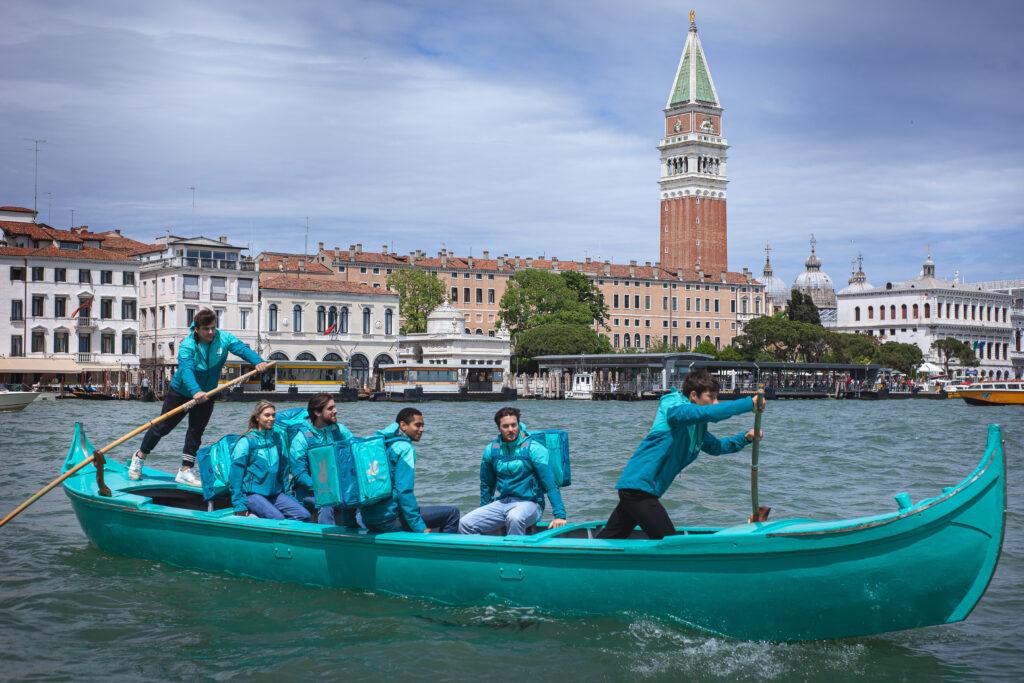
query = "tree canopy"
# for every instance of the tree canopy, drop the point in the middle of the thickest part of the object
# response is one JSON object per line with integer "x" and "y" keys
{"x": 802, "y": 308}
{"x": 950, "y": 349}
{"x": 419, "y": 293}
{"x": 560, "y": 339}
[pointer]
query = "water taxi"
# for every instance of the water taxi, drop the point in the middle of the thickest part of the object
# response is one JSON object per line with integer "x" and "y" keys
{"x": 582, "y": 386}
{"x": 13, "y": 401}
{"x": 287, "y": 378}
{"x": 989, "y": 393}
{"x": 412, "y": 381}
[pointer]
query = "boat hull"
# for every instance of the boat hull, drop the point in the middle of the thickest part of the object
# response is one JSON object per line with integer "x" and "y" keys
{"x": 786, "y": 580}
{"x": 993, "y": 398}
{"x": 13, "y": 401}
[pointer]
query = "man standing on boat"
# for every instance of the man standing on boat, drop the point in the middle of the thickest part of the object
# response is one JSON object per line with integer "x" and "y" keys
{"x": 677, "y": 437}
{"x": 402, "y": 512}
{"x": 321, "y": 429}
{"x": 514, "y": 477}
{"x": 201, "y": 356}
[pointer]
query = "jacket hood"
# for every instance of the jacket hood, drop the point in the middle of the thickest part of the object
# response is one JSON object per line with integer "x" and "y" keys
{"x": 391, "y": 431}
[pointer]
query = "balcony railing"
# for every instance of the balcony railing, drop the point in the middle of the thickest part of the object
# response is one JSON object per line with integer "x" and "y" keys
{"x": 245, "y": 296}
{"x": 190, "y": 294}
{"x": 247, "y": 265}
{"x": 196, "y": 262}
{"x": 85, "y": 321}
{"x": 86, "y": 357}
{"x": 218, "y": 296}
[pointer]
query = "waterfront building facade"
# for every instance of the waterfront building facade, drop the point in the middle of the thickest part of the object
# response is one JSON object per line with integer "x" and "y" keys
{"x": 1015, "y": 290}
{"x": 70, "y": 301}
{"x": 446, "y": 342}
{"x": 315, "y": 318}
{"x": 928, "y": 308}
{"x": 178, "y": 276}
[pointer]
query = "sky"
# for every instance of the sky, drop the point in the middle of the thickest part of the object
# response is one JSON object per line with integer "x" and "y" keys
{"x": 527, "y": 128}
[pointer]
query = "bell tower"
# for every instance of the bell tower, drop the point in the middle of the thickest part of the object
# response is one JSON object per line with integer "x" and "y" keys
{"x": 693, "y": 168}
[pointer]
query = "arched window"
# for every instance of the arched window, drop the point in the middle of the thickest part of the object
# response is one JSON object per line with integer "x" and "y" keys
{"x": 381, "y": 359}
{"x": 277, "y": 355}
{"x": 757, "y": 306}
{"x": 333, "y": 357}
{"x": 366, "y": 321}
{"x": 468, "y": 331}
{"x": 479, "y": 331}
{"x": 927, "y": 310}
{"x": 743, "y": 305}
{"x": 856, "y": 313}
{"x": 871, "y": 312}
{"x": 625, "y": 341}
{"x": 881, "y": 312}
{"x": 359, "y": 369}
{"x": 915, "y": 312}
{"x": 892, "y": 312}
{"x": 297, "y": 319}
{"x": 389, "y": 321}
{"x": 321, "y": 319}
{"x": 636, "y": 340}
{"x": 332, "y": 316}
{"x": 903, "y": 311}
{"x": 305, "y": 355}
{"x": 343, "y": 322}
{"x": 707, "y": 338}
{"x": 272, "y": 318}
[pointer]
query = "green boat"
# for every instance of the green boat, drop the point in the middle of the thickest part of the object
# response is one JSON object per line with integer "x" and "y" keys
{"x": 795, "y": 579}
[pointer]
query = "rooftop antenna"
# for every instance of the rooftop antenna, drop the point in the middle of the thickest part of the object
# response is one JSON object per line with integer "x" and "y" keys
{"x": 35, "y": 185}
{"x": 49, "y": 207}
{"x": 72, "y": 219}
{"x": 305, "y": 243}
{"x": 193, "y": 188}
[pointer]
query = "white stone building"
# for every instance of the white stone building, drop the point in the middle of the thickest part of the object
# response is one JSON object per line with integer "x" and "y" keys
{"x": 1015, "y": 289}
{"x": 178, "y": 276}
{"x": 317, "y": 317}
{"x": 927, "y": 308}
{"x": 816, "y": 283}
{"x": 69, "y": 303}
{"x": 448, "y": 341}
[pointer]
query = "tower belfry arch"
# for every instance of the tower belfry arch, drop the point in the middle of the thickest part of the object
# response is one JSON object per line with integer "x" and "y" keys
{"x": 693, "y": 167}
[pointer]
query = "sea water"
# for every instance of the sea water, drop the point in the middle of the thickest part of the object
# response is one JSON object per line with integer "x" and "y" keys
{"x": 69, "y": 611}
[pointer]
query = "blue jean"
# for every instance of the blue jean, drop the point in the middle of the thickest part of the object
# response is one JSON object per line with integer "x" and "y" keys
{"x": 512, "y": 514}
{"x": 325, "y": 515}
{"x": 444, "y": 518}
{"x": 279, "y": 506}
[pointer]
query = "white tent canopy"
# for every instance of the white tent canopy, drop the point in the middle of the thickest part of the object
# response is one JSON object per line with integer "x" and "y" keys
{"x": 930, "y": 369}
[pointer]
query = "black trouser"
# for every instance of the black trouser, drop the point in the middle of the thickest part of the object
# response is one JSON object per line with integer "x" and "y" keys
{"x": 198, "y": 418}
{"x": 638, "y": 507}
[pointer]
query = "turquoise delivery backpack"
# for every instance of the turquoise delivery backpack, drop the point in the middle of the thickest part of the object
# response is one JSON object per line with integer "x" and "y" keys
{"x": 557, "y": 443}
{"x": 351, "y": 474}
{"x": 289, "y": 423}
{"x": 214, "y": 463}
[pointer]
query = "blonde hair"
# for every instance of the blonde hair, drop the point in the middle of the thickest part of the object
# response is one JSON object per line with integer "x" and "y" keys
{"x": 254, "y": 418}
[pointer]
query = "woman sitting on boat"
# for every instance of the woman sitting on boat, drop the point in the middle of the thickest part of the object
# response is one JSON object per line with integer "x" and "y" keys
{"x": 259, "y": 469}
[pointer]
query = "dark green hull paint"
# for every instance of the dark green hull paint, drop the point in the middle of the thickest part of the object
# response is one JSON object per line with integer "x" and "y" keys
{"x": 784, "y": 580}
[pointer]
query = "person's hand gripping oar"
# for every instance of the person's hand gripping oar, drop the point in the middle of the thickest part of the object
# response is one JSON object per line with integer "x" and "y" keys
{"x": 759, "y": 513}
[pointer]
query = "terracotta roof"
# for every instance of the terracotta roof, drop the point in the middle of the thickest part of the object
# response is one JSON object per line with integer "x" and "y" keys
{"x": 118, "y": 242}
{"x": 317, "y": 283}
{"x": 84, "y": 254}
{"x": 593, "y": 269}
{"x": 16, "y": 209}
{"x": 274, "y": 261}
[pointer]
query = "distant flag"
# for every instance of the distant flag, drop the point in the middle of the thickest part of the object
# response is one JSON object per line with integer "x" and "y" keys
{"x": 85, "y": 303}
{"x": 331, "y": 329}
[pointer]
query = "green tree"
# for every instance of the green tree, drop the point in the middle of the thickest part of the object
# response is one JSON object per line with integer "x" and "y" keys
{"x": 851, "y": 348}
{"x": 539, "y": 297}
{"x": 707, "y": 348}
{"x": 950, "y": 349}
{"x": 802, "y": 308}
{"x": 774, "y": 337}
{"x": 419, "y": 293}
{"x": 559, "y": 339}
{"x": 730, "y": 353}
{"x": 902, "y": 357}
{"x": 588, "y": 295}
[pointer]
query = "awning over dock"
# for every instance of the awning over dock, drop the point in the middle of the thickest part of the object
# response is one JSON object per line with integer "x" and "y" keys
{"x": 55, "y": 366}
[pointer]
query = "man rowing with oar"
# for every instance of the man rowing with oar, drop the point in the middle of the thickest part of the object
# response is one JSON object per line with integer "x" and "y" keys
{"x": 677, "y": 437}
{"x": 201, "y": 356}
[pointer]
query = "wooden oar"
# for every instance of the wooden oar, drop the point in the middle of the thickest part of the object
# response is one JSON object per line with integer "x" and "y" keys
{"x": 759, "y": 513}
{"x": 97, "y": 457}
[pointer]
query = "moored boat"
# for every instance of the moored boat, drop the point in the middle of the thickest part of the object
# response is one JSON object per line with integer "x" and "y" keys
{"x": 925, "y": 564}
{"x": 13, "y": 401}
{"x": 998, "y": 393}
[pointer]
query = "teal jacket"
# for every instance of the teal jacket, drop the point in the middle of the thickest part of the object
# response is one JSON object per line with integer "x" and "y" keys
{"x": 402, "y": 458}
{"x": 258, "y": 465}
{"x": 199, "y": 365}
{"x": 298, "y": 453}
{"x": 677, "y": 437}
{"x": 519, "y": 470}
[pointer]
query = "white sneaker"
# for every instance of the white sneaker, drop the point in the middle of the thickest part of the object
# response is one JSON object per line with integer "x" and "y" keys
{"x": 135, "y": 468}
{"x": 188, "y": 477}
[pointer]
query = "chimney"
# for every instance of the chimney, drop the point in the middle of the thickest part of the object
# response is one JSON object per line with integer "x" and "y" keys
{"x": 554, "y": 263}
{"x": 487, "y": 254}
{"x": 471, "y": 261}
{"x": 501, "y": 263}
{"x": 384, "y": 249}
{"x": 319, "y": 246}
{"x": 444, "y": 258}
{"x": 351, "y": 252}
{"x": 302, "y": 265}
{"x": 679, "y": 274}
{"x": 529, "y": 262}
{"x": 607, "y": 268}
{"x": 632, "y": 268}
{"x": 587, "y": 261}
{"x": 117, "y": 231}
{"x": 359, "y": 248}
{"x": 655, "y": 273}
{"x": 723, "y": 276}
{"x": 223, "y": 239}
{"x": 412, "y": 258}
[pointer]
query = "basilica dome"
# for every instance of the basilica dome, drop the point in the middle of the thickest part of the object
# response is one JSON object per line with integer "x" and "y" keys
{"x": 775, "y": 287}
{"x": 858, "y": 280}
{"x": 815, "y": 282}
{"x": 445, "y": 319}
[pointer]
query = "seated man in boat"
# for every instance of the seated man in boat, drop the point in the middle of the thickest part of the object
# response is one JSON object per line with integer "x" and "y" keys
{"x": 201, "y": 356}
{"x": 321, "y": 429}
{"x": 402, "y": 512}
{"x": 259, "y": 470}
{"x": 514, "y": 476}
{"x": 678, "y": 435}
